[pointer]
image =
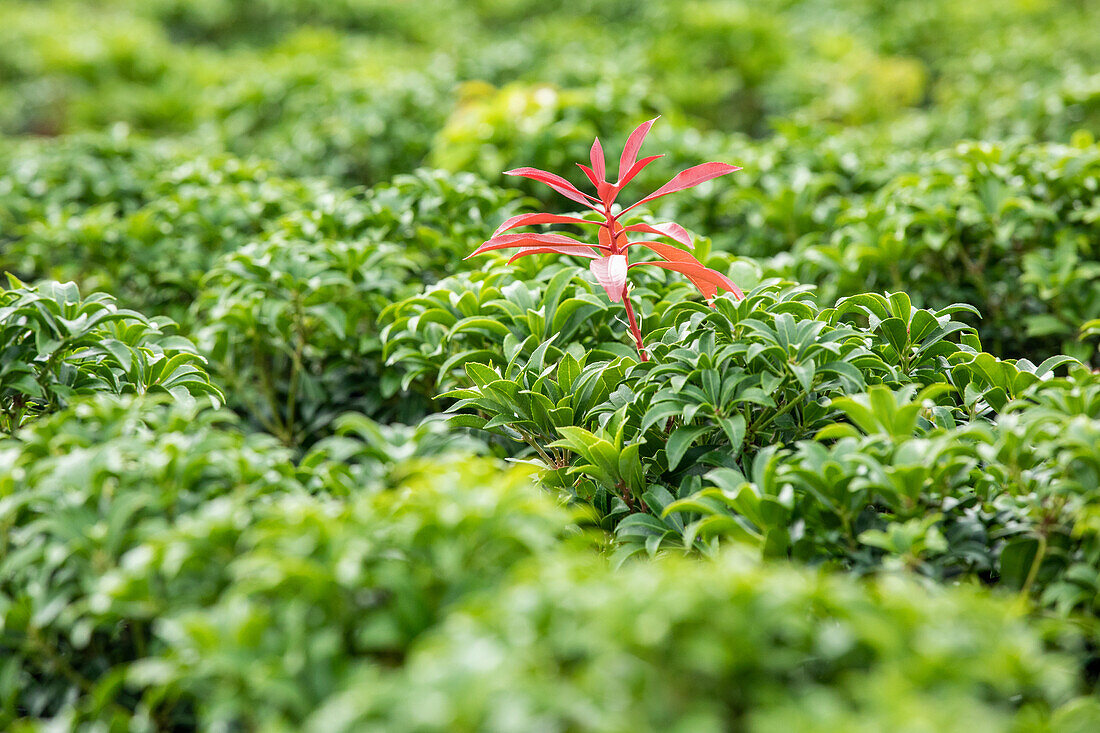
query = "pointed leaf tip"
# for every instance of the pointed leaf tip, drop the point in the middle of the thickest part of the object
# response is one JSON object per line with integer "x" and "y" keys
{"x": 633, "y": 145}
{"x": 705, "y": 280}
{"x": 507, "y": 241}
{"x": 556, "y": 182}
{"x": 599, "y": 164}
{"x": 671, "y": 230}
{"x": 688, "y": 179}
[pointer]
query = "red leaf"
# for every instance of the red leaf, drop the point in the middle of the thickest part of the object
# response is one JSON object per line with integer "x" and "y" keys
{"x": 556, "y": 182}
{"x": 607, "y": 192}
{"x": 620, "y": 238}
{"x": 563, "y": 250}
{"x": 610, "y": 272}
{"x": 506, "y": 241}
{"x": 523, "y": 220}
{"x": 706, "y": 280}
{"x": 634, "y": 171}
{"x": 670, "y": 230}
{"x": 589, "y": 174}
{"x": 599, "y": 165}
{"x": 672, "y": 254}
{"x": 633, "y": 145}
{"x": 686, "y": 179}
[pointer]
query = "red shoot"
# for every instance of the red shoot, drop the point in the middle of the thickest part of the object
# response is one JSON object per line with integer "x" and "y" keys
{"x": 611, "y": 254}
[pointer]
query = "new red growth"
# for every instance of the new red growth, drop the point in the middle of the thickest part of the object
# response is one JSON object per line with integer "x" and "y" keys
{"x": 611, "y": 254}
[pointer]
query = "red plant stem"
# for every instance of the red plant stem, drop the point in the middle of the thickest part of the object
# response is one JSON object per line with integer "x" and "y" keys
{"x": 610, "y": 224}
{"x": 634, "y": 324}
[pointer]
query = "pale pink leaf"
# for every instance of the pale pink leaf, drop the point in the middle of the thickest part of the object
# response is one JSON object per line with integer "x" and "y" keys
{"x": 610, "y": 272}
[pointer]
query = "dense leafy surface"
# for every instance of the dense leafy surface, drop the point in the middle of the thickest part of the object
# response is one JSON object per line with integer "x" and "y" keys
{"x": 274, "y": 457}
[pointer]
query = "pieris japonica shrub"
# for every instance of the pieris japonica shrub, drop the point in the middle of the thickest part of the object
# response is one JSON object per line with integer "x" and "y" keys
{"x": 610, "y": 255}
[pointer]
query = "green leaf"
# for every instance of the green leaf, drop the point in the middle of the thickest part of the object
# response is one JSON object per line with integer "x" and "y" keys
{"x": 734, "y": 428}
{"x": 679, "y": 441}
{"x": 1016, "y": 561}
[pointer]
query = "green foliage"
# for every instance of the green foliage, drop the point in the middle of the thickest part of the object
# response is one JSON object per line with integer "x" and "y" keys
{"x": 364, "y": 454}
{"x": 724, "y": 384}
{"x": 863, "y": 499}
{"x": 225, "y": 21}
{"x": 437, "y": 217}
{"x": 297, "y": 313}
{"x": 81, "y": 492}
{"x": 56, "y": 345}
{"x": 1009, "y": 501}
{"x": 493, "y": 319}
{"x": 689, "y": 646}
{"x": 296, "y": 319}
{"x": 142, "y": 220}
{"x": 1009, "y": 228}
{"x": 161, "y": 558}
{"x": 320, "y": 104}
{"x": 66, "y": 67}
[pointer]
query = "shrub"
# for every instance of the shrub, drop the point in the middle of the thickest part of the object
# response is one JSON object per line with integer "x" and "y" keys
{"x": 322, "y": 105}
{"x": 297, "y": 320}
{"x": 80, "y": 493}
{"x": 228, "y": 22}
{"x": 428, "y": 338}
{"x": 1009, "y": 228}
{"x": 532, "y": 365}
{"x": 1007, "y": 501}
{"x": 688, "y": 646}
{"x": 362, "y": 454}
{"x": 724, "y": 384}
{"x": 609, "y": 255}
{"x": 136, "y": 534}
{"x": 296, "y": 312}
{"x": 142, "y": 220}
{"x": 65, "y": 67}
{"x": 437, "y": 217}
{"x": 56, "y": 345}
{"x": 319, "y": 590}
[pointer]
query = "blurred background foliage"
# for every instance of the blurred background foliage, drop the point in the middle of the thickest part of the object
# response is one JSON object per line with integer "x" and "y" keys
{"x": 861, "y": 499}
{"x": 846, "y": 114}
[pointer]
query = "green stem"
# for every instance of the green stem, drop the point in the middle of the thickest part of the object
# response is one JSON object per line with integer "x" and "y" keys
{"x": 292, "y": 389}
{"x": 1033, "y": 571}
{"x": 268, "y": 386}
{"x": 550, "y": 463}
{"x": 781, "y": 412}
